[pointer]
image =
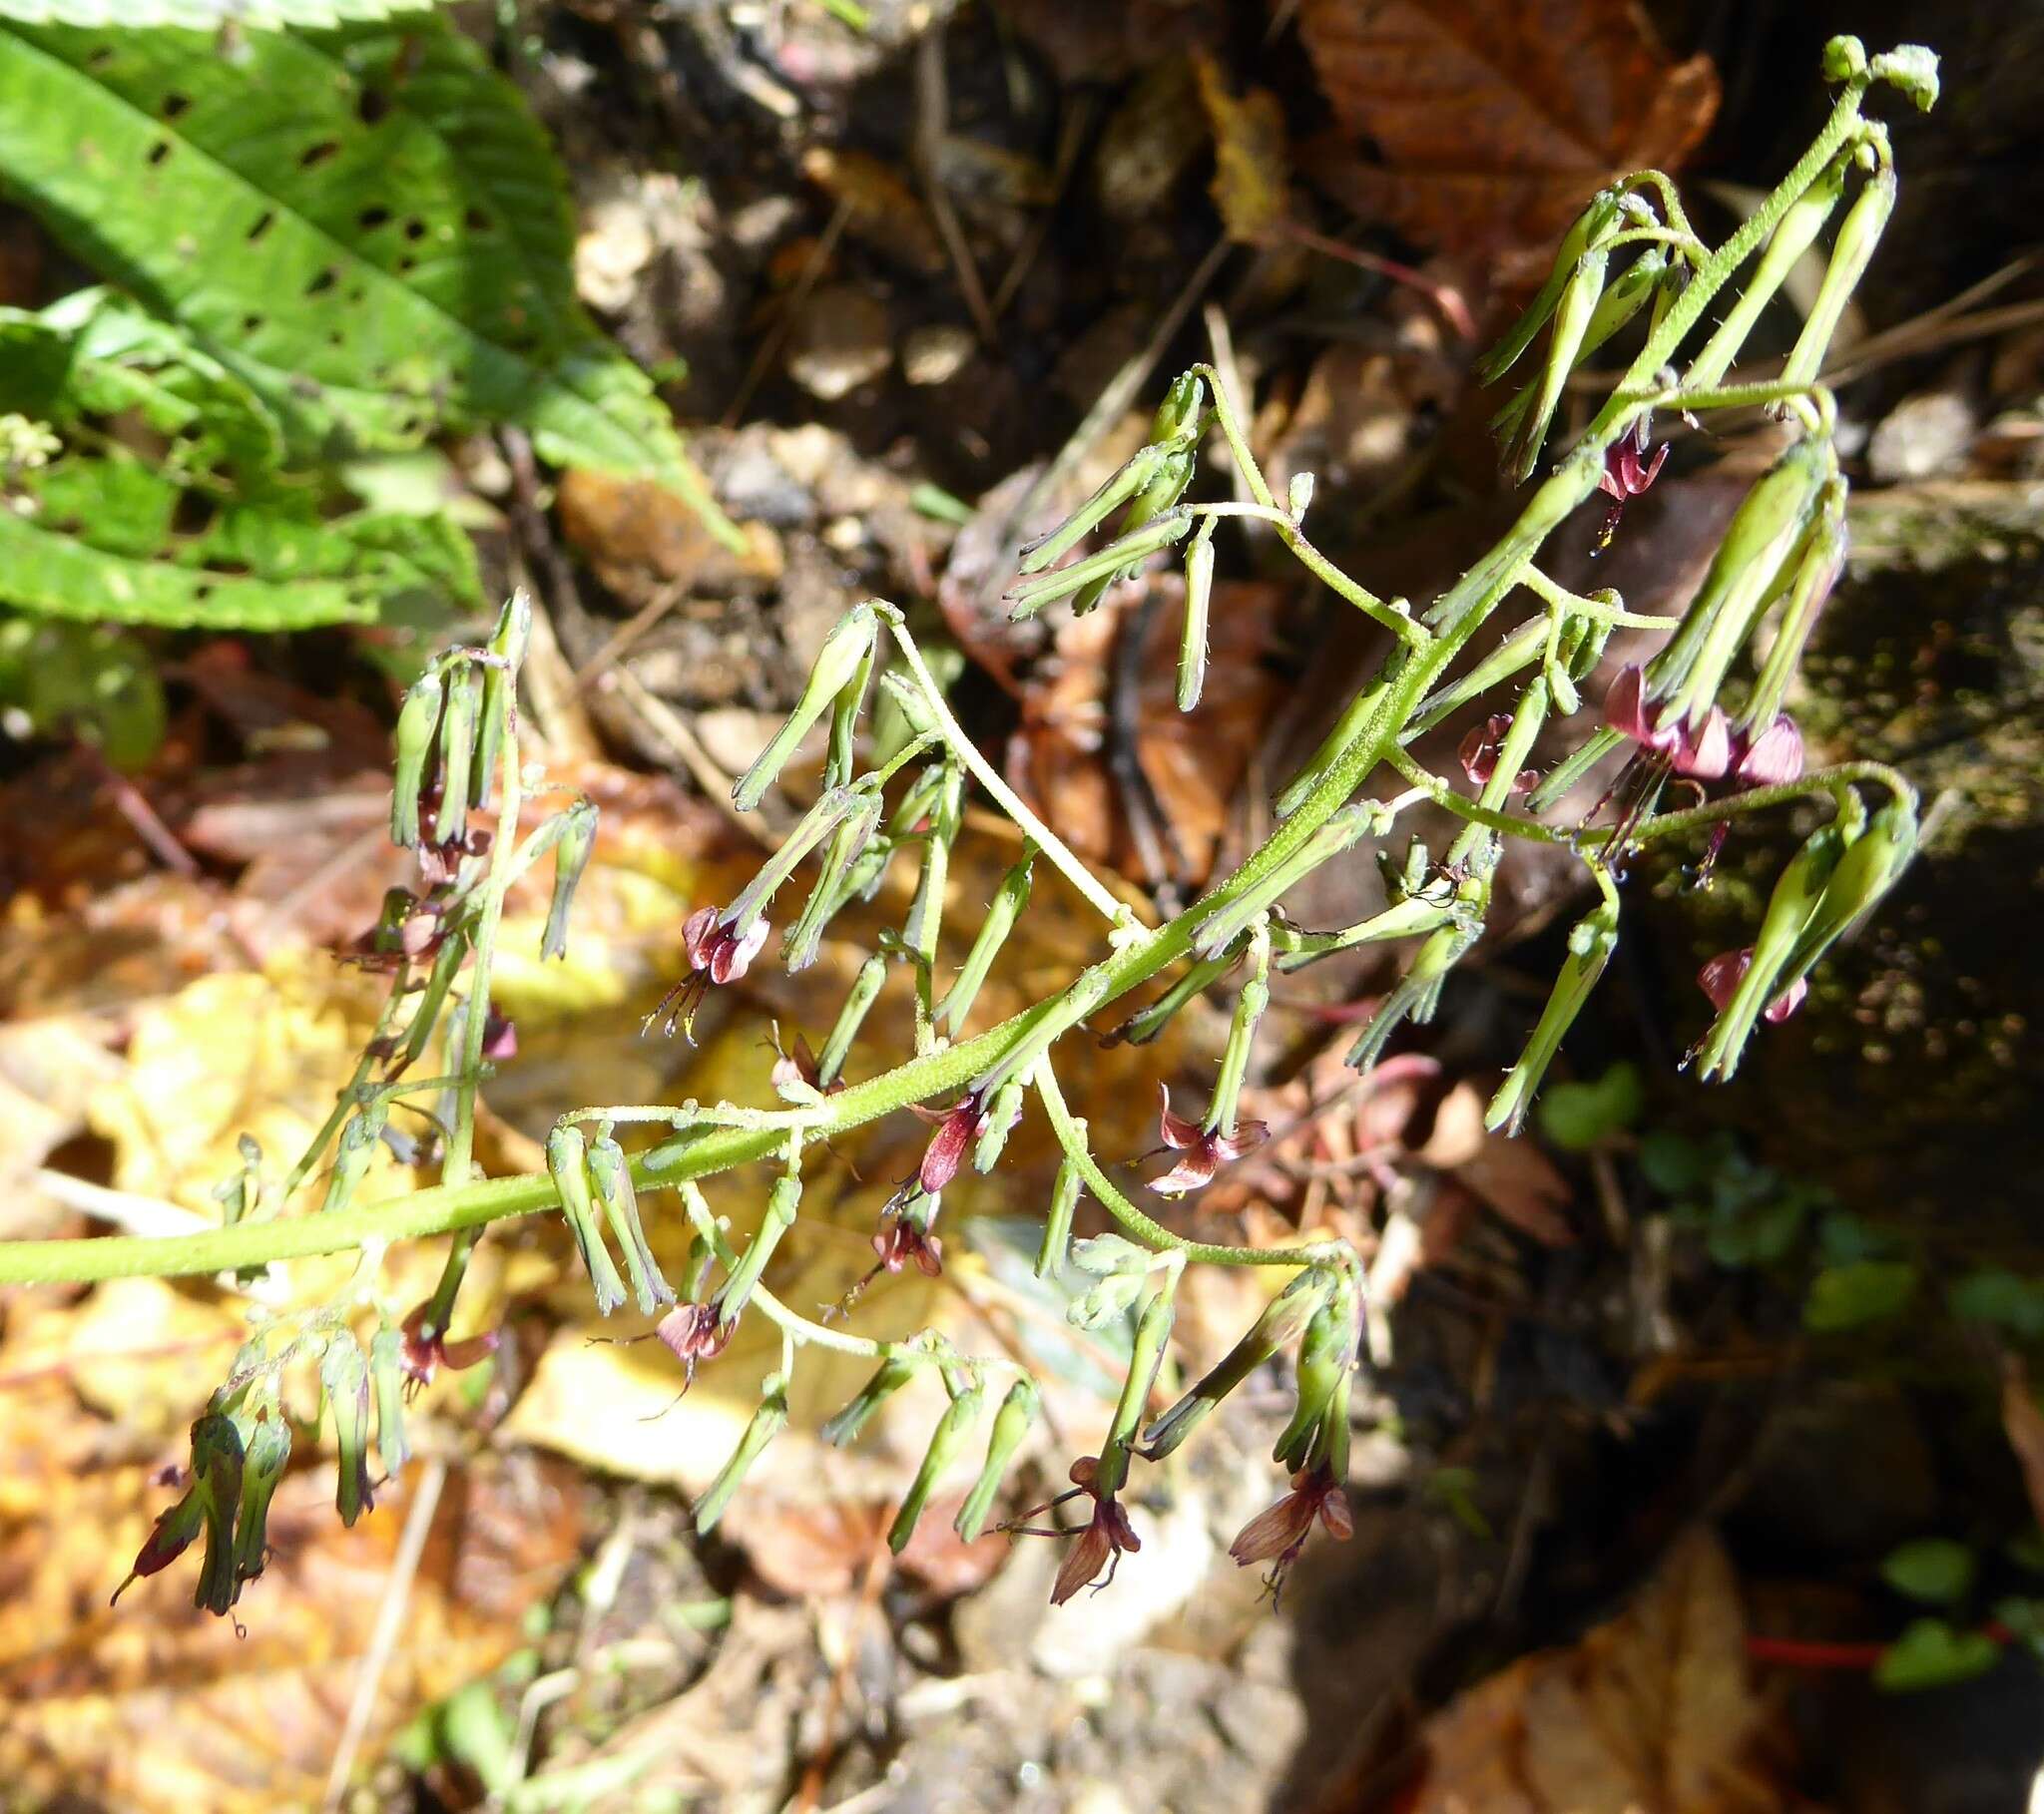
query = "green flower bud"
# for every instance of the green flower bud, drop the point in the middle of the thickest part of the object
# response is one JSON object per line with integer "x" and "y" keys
{"x": 1871, "y": 864}
{"x": 1801, "y": 884}
{"x": 1145, "y": 1025}
{"x": 836, "y": 881}
{"x": 1910, "y": 69}
{"x": 217, "y": 1463}
{"x": 1591, "y": 942}
{"x": 1011, "y": 1424}
{"x": 1596, "y": 224}
{"x": 767, "y": 1423}
{"x": 782, "y": 1203}
{"x": 1146, "y": 1356}
{"x": 457, "y": 753}
{"x": 844, "y": 658}
{"x": 1412, "y": 917}
{"x": 1572, "y": 317}
{"x": 572, "y": 851}
{"x": 1299, "y": 496}
{"x": 1173, "y": 474}
{"x": 611, "y": 1174}
{"x": 1121, "y": 558}
{"x": 1417, "y": 992}
{"x": 267, "y": 1453}
{"x": 1283, "y": 1319}
{"x": 1741, "y": 575}
{"x": 351, "y": 1157}
{"x": 1001, "y": 914}
{"x": 843, "y": 1430}
{"x": 866, "y": 990}
{"x": 947, "y": 1443}
{"x": 1126, "y": 481}
{"x": 418, "y": 719}
{"x": 1176, "y": 421}
{"x": 345, "y": 1381}
{"x": 500, "y": 691}
{"x": 386, "y": 1378}
{"x": 1057, "y": 1223}
{"x": 1325, "y": 1353}
{"x": 1795, "y": 234}
{"x": 1191, "y": 655}
{"x": 1858, "y": 233}
{"x": 568, "y": 1163}
{"x": 1002, "y": 1114}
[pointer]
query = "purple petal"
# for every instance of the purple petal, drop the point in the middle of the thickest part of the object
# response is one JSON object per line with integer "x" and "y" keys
{"x": 1775, "y": 756}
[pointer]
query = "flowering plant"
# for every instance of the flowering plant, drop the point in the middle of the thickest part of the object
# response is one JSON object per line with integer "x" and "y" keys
{"x": 1690, "y": 711}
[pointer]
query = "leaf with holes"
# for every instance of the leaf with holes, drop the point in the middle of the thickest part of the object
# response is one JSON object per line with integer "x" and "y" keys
{"x": 367, "y": 226}
{"x": 205, "y": 15}
{"x": 1493, "y": 124}
{"x": 205, "y": 529}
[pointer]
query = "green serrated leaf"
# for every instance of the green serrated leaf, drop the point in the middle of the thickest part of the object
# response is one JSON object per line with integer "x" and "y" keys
{"x": 205, "y": 15}
{"x": 367, "y": 226}
{"x": 1933, "y": 1569}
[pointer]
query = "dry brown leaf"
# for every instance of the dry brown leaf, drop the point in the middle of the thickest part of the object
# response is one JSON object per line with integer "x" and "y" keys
{"x": 825, "y": 1548}
{"x": 1494, "y": 122}
{"x": 1191, "y": 761}
{"x": 632, "y": 528}
{"x": 880, "y": 206}
{"x": 153, "y": 1704}
{"x": 1250, "y": 173}
{"x": 1652, "y": 1713}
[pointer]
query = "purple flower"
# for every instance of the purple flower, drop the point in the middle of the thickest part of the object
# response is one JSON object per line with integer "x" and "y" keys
{"x": 1204, "y": 1153}
{"x": 1772, "y": 758}
{"x": 694, "y": 1332}
{"x": 718, "y": 953}
{"x": 1107, "y": 1537}
{"x": 1701, "y": 751}
{"x": 1720, "y": 979}
{"x": 1626, "y": 474}
{"x": 1279, "y": 1533}
{"x": 956, "y": 1128}
{"x": 424, "y": 1354}
{"x": 900, "y": 1240}
{"x": 1481, "y": 748}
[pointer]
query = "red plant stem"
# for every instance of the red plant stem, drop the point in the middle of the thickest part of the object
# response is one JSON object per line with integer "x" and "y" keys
{"x": 1813, "y": 1653}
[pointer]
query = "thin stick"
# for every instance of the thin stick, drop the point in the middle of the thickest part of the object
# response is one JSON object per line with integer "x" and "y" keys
{"x": 405, "y": 1567}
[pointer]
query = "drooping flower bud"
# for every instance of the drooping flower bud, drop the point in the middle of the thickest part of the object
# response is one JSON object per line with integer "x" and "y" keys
{"x": 1592, "y": 940}
{"x": 1796, "y": 892}
{"x": 1146, "y": 1356}
{"x": 1325, "y": 1353}
{"x": 1572, "y": 316}
{"x": 1596, "y": 224}
{"x": 782, "y": 1204}
{"x": 418, "y": 719}
{"x": 859, "y": 1002}
{"x": 389, "y": 1376}
{"x": 345, "y": 1380}
{"x": 1121, "y": 559}
{"x": 1871, "y": 864}
{"x": 1011, "y": 1424}
{"x": 266, "y": 1452}
{"x": 499, "y": 708}
{"x": 766, "y": 1423}
{"x": 568, "y": 1163}
{"x": 609, "y": 1172}
{"x": 351, "y": 1157}
{"x": 1793, "y": 235}
{"x": 1010, "y": 897}
{"x": 1057, "y": 1221}
{"x": 1191, "y": 652}
{"x": 570, "y": 858}
{"x": 1858, "y": 233}
{"x": 893, "y": 1372}
{"x": 457, "y": 755}
{"x": 844, "y": 659}
{"x": 1001, "y": 1116}
{"x": 835, "y": 884}
{"x": 1282, "y": 1322}
{"x": 947, "y": 1442}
